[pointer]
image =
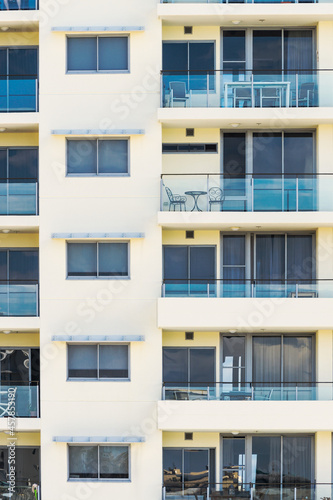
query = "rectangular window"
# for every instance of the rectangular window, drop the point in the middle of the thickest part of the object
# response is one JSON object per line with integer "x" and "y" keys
{"x": 97, "y": 157}
{"x": 98, "y": 361}
{"x": 97, "y": 260}
{"x": 183, "y": 148}
{"x": 98, "y": 462}
{"x": 97, "y": 53}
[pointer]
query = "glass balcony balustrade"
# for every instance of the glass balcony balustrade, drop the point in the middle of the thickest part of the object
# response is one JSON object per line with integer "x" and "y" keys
{"x": 248, "y": 391}
{"x": 247, "y": 192}
{"x": 19, "y": 399}
{"x": 18, "y": 197}
{"x": 18, "y": 4}
{"x": 233, "y": 288}
{"x": 19, "y": 298}
{"x": 18, "y": 93}
{"x": 196, "y": 489}
{"x": 247, "y": 89}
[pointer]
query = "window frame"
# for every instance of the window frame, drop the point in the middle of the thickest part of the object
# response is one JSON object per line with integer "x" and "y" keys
{"x": 127, "y": 277}
{"x": 97, "y": 174}
{"x": 99, "y": 479}
{"x": 98, "y": 379}
{"x": 98, "y": 71}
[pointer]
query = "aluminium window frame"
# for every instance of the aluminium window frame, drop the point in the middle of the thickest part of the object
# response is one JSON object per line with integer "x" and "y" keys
{"x": 98, "y": 379}
{"x": 97, "y": 174}
{"x": 98, "y": 71}
{"x": 99, "y": 479}
{"x": 97, "y": 242}
{"x": 188, "y": 348}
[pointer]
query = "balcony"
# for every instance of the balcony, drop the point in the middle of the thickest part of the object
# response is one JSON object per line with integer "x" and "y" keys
{"x": 246, "y": 192}
{"x": 18, "y": 93}
{"x": 19, "y": 399}
{"x": 19, "y": 298}
{"x": 247, "y": 89}
{"x": 18, "y": 5}
{"x": 201, "y": 489}
{"x": 249, "y": 391}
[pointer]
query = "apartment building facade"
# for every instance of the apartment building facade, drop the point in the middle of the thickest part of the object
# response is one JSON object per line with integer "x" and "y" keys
{"x": 166, "y": 249}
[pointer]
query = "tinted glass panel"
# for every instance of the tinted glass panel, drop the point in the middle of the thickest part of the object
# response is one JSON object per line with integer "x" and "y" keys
{"x": 233, "y": 155}
{"x": 298, "y": 49}
{"x": 82, "y": 259}
{"x": 23, "y": 265}
{"x": 297, "y": 359}
{"x": 35, "y": 365}
{"x": 270, "y": 257}
{"x": 82, "y": 54}
{"x": 233, "y": 462}
{"x": 23, "y": 164}
{"x": 172, "y": 468}
{"x": 175, "y": 56}
{"x": 113, "y": 361}
{"x": 298, "y": 153}
{"x": 175, "y": 364}
{"x": 202, "y": 56}
{"x": 233, "y": 372}
{"x": 14, "y": 365}
{"x": 113, "y": 157}
{"x": 83, "y": 462}
{"x": 82, "y": 157}
{"x": 266, "y": 361}
{"x": 82, "y": 361}
{"x": 202, "y": 366}
{"x": 266, "y": 460}
{"x": 196, "y": 467}
{"x": 3, "y": 164}
{"x": 297, "y": 459}
{"x": 22, "y": 62}
{"x": 113, "y": 259}
{"x": 202, "y": 263}
{"x": 175, "y": 262}
{"x": 267, "y": 153}
{"x": 112, "y": 53}
{"x": 113, "y": 462}
{"x": 233, "y": 46}
{"x": 265, "y": 44}
{"x": 3, "y": 265}
{"x": 233, "y": 250}
{"x": 300, "y": 263}
{"x": 3, "y": 62}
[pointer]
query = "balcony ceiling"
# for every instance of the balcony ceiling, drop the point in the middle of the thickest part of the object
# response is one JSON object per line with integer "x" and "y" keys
{"x": 247, "y": 14}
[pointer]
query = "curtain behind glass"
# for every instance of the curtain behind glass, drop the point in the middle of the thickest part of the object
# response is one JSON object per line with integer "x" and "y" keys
{"x": 297, "y": 460}
{"x": 23, "y": 265}
{"x": 202, "y": 264}
{"x": 23, "y": 62}
{"x": 297, "y": 359}
{"x": 270, "y": 257}
{"x": 266, "y": 360}
{"x": 234, "y": 257}
{"x": 175, "y": 263}
{"x": 23, "y": 164}
{"x": 202, "y": 367}
{"x": 300, "y": 265}
{"x": 298, "y": 49}
{"x": 175, "y": 365}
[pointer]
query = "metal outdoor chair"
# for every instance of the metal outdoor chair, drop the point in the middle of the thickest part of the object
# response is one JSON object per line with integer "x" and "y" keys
{"x": 306, "y": 94}
{"x": 242, "y": 97}
{"x": 216, "y": 197}
{"x": 178, "y": 93}
{"x": 270, "y": 96}
{"x": 176, "y": 200}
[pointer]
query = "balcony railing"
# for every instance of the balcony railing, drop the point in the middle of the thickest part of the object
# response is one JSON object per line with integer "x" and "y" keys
{"x": 19, "y": 298}
{"x": 248, "y": 391}
{"x": 18, "y": 93}
{"x": 18, "y": 197}
{"x": 247, "y": 88}
{"x": 247, "y": 192}
{"x": 251, "y": 288}
{"x": 21, "y": 492}
{"x": 18, "y": 4}
{"x": 19, "y": 399}
{"x": 201, "y": 489}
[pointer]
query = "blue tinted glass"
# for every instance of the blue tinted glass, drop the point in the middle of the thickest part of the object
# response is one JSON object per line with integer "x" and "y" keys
{"x": 82, "y": 157}
{"x": 113, "y": 53}
{"x": 82, "y": 259}
{"x": 22, "y": 62}
{"x": 82, "y": 54}
{"x": 113, "y": 157}
{"x": 202, "y": 56}
{"x": 23, "y": 164}
{"x": 175, "y": 56}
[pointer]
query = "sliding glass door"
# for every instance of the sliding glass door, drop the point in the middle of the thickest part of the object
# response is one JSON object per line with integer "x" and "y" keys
{"x": 188, "y": 472}
{"x": 272, "y": 465}
{"x": 189, "y": 270}
{"x": 188, "y": 373}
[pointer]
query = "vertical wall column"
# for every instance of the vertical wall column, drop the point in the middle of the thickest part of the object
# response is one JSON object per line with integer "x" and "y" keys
{"x": 324, "y": 143}
{"x": 324, "y": 261}
{"x": 325, "y": 61}
{"x": 324, "y": 350}
{"x": 323, "y": 464}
